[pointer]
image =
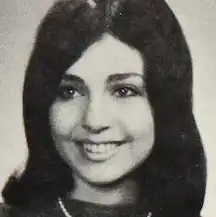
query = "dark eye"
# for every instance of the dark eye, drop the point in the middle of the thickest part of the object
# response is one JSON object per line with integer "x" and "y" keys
{"x": 125, "y": 91}
{"x": 68, "y": 93}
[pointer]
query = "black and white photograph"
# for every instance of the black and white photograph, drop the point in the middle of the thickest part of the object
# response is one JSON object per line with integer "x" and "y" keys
{"x": 107, "y": 108}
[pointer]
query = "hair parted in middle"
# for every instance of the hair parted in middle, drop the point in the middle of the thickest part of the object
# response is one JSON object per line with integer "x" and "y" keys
{"x": 173, "y": 177}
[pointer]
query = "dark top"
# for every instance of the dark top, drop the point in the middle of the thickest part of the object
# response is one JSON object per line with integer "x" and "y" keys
{"x": 74, "y": 207}
{"x": 78, "y": 208}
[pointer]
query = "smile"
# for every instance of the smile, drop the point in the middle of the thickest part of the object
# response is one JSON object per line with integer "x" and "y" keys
{"x": 100, "y": 148}
{"x": 98, "y": 152}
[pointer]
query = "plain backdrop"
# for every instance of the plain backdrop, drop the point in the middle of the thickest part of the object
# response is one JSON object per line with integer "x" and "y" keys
{"x": 18, "y": 22}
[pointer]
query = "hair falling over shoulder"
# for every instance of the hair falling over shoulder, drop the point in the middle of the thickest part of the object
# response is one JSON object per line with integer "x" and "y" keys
{"x": 174, "y": 176}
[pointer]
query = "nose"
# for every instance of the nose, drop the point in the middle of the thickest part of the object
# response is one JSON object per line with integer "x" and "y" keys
{"x": 95, "y": 118}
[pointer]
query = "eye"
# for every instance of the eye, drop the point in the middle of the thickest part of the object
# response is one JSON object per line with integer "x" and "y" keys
{"x": 126, "y": 91}
{"x": 68, "y": 93}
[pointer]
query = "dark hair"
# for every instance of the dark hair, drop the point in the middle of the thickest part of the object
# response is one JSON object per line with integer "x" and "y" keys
{"x": 174, "y": 174}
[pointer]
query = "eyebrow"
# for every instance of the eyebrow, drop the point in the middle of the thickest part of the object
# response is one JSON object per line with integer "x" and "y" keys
{"x": 110, "y": 79}
{"x": 69, "y": 77}
{"x": 122, "y": 76}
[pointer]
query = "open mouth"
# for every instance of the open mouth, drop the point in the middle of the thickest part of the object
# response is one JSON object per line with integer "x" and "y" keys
{"x": 100, "y": 148}
{"x": 99, "y": 151}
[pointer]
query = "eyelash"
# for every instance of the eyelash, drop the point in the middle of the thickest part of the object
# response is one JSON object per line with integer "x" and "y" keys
{"x": 68, "y": 92}
{"x": 126, "y": 88}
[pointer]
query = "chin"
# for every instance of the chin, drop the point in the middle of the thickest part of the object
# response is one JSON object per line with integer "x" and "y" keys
{"x": 108, "y": 180}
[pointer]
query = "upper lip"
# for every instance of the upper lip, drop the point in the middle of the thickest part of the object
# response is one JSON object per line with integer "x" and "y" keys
{"x": 88, "y": 141}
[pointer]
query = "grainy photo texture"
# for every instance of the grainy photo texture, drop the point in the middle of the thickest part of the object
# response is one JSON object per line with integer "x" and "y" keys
{"x": 108, "y": 116}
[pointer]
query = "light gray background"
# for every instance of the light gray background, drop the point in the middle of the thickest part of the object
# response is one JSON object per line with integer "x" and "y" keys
{"x": 18, "y": 21}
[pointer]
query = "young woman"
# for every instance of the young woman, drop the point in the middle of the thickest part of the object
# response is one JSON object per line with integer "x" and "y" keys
{"x": 108, "y": 115}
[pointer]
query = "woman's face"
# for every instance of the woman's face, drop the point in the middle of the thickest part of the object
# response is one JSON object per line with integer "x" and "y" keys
{"x": 101, "y": 120}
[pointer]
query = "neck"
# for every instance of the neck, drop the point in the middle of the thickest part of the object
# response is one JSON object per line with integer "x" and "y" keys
{"x": 113, "y": 194}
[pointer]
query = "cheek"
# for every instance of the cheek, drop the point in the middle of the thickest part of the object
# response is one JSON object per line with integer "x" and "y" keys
{"x": 139, "y": 125}
{"x": 64, "y": 117}
{"x": 136, "y": 117}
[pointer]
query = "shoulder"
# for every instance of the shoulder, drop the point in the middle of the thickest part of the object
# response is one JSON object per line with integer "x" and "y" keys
{"x": 4, "y": 210}
{"x": 32, "y": 210}
{"x": 9, "y": 211}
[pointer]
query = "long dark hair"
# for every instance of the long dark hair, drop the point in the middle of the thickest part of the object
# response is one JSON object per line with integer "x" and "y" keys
{"x": 173, "y": 177}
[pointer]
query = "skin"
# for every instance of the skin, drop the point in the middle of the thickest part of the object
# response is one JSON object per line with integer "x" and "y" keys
{"x": 102, "y": 99}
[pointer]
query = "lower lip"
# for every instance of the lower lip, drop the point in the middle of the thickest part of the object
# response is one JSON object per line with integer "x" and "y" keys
{"x": 99, "y": 156}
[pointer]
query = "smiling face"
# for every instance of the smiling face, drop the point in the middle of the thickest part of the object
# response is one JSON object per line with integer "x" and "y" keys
{"x": 101, "y": 120}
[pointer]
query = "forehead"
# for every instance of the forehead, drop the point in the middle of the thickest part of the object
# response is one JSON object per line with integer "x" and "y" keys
{"x": 107, "y": 56}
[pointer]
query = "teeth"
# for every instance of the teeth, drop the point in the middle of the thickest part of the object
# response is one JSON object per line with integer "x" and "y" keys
{"x": 94, "y": 148}
{"x": 108, "y": 147}
{"x": 99, "y": 148}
